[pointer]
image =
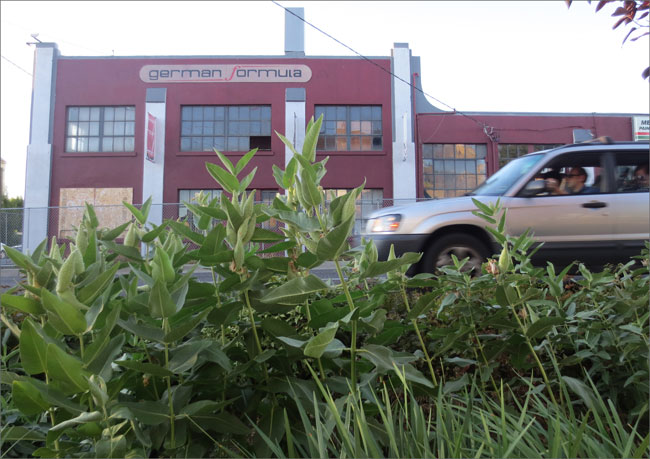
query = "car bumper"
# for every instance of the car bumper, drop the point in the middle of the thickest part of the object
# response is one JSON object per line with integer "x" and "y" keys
{"x": 402, "y": 243}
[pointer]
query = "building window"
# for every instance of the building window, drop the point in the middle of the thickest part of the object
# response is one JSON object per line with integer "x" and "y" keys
{"x": 350, "y": 128}
{"x": 452, "y": 169}
{"x": 369, "y": 201}
{"x": 100, "y": 129}
{"x": 191, "y": 196}
{"x": 510, "y": 151}
{"x": 226, "y": 128}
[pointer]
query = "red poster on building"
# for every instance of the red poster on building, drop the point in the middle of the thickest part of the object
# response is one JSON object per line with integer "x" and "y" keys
{"x": 151, "y": 137}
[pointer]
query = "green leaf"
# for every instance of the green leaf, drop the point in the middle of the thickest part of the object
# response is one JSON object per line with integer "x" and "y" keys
{"x": 72, "y": 318}
{"x": 186, "y": 355}
{"x": 179, "y": 331}
{"x": 103, "y": 358}
{"x": 278, "y": 175}
{"x": 311, "y": 138}
{"x": 583, "y": 391}
{"x": 154, "y": 233}
{"x": 28, "y": 399}
{"x": 424, "y": 303}
{"x": 148, "y": 412}
{"x": 454, "y": 386}
{"x": 92, "y": 216}
{"x": 146, "y": 207}
{"x": 224, "y": 423}
{"x": 301, "y": 220}
{"x": 111, "y": 447}
{"x": 332, "y": 245}
{"x": 483, "y": 207}
{"x": 21, "y": 259}
{"x": 224, "y": 178}
{"x": 226, "y": 162}
{"x": 264, "y": 235}
{"x": 542, "y": 326}
{"x": 316, "y": 345}
{"x": 143, "y": 367}
{"x": 295, "y": 291}
{"x": 243, "y": 185}
{"x": 160, "y": 303}
{"x": 289, "y": 174}
{"x": 66, "y": 368}
{"x": 54, "y": 396}
{"x": 288, "y": 143}
{"x": 277, "y": 327}
{"x": 83, "y": 418}
{"x": 279, "y": 247}
{"x": 33, "y": 348}
{"x": 184, "y": 231}
{"x": 20, "y": 433}
{"x": 22, "y": 304}
{"x": 92, "y": 291}
{"x": 114, "y": 233}
{"x": 378, "y": 268}
{"x": 128, "y": 252}
{"x": 136, "y": 213}
{"x": 241, "y": 164}
{"x": 102, "y": 338}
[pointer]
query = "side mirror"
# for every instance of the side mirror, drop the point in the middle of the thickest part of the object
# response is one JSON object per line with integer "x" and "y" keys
{"x": 533, "y": 188}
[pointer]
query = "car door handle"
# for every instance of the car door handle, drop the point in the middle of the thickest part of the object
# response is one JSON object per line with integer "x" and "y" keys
{"x": 594, "y": 205}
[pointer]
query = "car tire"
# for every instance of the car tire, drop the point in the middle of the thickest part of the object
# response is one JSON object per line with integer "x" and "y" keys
{"x": 439, "y": 253}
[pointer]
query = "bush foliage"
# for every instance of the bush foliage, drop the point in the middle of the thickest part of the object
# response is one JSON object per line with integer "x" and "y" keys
{"x": 113, "y": 349}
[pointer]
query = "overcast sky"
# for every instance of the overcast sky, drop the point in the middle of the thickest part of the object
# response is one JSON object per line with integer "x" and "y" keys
{"x": 476, "y": 56}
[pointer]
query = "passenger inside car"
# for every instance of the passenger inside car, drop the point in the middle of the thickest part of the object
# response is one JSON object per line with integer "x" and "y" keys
{"x": 573, "y": 183}
{"x": 641, "y": 175}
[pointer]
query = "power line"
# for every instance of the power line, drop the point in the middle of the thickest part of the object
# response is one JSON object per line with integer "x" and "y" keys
{"x": 13, "y": 63}
{"x": 488, "y": 130}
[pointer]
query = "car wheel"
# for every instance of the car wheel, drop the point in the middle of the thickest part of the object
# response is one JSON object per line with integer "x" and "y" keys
{"x": 439, "y": 253}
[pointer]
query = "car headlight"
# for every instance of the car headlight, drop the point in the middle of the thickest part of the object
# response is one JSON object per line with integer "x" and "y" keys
{"x": 385, "y": 223}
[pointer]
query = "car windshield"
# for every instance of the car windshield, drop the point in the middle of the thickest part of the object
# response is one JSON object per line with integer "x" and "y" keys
{"x": 505, "y": 177}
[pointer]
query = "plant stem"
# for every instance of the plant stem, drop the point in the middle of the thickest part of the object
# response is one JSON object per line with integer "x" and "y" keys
{"x": 419, "y": 335}
{"x": 251, "y": 317}
{"x": 169, "y": 388}
{"x": 353, "y": 344}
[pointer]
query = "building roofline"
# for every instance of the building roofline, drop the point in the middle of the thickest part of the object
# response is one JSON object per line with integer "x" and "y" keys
{"x": 279, "y": 56}
{"x": 532, "y": 114}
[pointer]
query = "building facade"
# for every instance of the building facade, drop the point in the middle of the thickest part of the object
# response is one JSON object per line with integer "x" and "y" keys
{"x": 111, "y": 129}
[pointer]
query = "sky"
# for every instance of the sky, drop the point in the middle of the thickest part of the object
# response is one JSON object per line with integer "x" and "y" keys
{"x": 511, "y": 56}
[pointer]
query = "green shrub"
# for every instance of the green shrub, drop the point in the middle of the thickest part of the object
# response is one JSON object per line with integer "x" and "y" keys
{"x": 115, "y": 350}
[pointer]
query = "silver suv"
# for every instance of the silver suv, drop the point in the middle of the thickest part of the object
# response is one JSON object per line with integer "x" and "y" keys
{"x": 587, "y": 202}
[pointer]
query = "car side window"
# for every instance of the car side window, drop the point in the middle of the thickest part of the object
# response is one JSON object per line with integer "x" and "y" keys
{"x": 569, "y": 174}
{"x": 631, "y": 173}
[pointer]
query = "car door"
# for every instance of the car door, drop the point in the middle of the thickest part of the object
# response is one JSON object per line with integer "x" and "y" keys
{"x": 571, "y": 227}
{"x": 630, "y": 202}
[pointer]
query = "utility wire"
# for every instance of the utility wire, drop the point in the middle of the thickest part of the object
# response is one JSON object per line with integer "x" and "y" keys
{"x": 489, "y": 131}
{"x": 16, "y": 65}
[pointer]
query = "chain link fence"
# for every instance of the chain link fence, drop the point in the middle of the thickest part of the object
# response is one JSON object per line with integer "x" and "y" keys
{"x": 63, "y": 221}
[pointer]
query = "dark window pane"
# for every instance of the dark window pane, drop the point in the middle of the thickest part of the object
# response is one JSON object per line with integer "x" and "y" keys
{"x": 262, "y": 142}
{"x": 377, "y": 143}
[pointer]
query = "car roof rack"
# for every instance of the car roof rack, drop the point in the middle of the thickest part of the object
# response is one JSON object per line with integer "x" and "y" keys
{"x": 604, "y": 139}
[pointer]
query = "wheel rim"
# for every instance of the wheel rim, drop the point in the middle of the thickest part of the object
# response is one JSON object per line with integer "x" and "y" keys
{"x": 461, "y": 252}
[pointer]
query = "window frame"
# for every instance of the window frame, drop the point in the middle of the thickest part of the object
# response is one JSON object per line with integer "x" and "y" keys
{"x": 437, "y": 153}
{"x": 348, "y": 135}
{"x": 129, "y": 125}
{"x": 225, "y": 135}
